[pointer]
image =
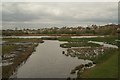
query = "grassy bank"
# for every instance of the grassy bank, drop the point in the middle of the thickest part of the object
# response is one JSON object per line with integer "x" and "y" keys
{"x": 79, "y": 44}
{"x": 21, "y": 52}
{"x": 106, "y": 64}
{"x": 8, "y": 48}
{"x": 22, "y": 40}
{"x": 7, "y": 71}
{"x": 107, "y": 67}
{"x": 106, "y": 39}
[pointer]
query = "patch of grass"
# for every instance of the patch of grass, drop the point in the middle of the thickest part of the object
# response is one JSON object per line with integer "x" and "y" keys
{"x": 103, "y": 57}
{"x": 107, "y": 39}
{"x": 107, "y": 67}
{"x": 7, "y": 71}
{"x": 22, "y": 40}
{"x": 107, "y": 64}
{"x": 6, "y": 49}
{"x": 78, "y": 44}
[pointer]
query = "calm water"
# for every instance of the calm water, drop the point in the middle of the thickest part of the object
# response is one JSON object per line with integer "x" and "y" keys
{"x": 49, "y": 62}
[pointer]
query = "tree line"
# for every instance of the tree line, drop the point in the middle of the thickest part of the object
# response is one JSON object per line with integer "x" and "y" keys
{"x": 93, "y": 30}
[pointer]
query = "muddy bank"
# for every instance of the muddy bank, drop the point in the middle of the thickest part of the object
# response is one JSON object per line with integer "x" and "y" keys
{"x": 16, "y": 53}
{"x": 9, "y": 70}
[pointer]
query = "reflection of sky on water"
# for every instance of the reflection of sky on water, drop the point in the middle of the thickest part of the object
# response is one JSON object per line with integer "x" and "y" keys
{"x": 49, "y": 62}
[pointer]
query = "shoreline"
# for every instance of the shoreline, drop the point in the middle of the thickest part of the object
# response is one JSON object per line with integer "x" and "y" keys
{"x": 109, "y": 63}
{"x": 21, "y": 54}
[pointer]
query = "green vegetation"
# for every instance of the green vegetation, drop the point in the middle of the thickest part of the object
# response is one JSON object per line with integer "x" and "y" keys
{"x": 8, "y": 48}
{"x": 83, "y": 42}
{"x": 106, "y": 39}
{"x": 107, "y": 54}
{"x": 78, "y": 44}
{"x": 22, "y": 40}
{"x": 110, "y": 29}
{"x": 107, "y": 66}
{"x": 7, "y": 71}
{"x": 21, "y": 53}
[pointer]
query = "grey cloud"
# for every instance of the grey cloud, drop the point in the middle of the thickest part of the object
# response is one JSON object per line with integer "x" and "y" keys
{"x": 60, "y": 13}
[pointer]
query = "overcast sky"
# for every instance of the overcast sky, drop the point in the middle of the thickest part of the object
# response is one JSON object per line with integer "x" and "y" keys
{"x": 37, "y": 15}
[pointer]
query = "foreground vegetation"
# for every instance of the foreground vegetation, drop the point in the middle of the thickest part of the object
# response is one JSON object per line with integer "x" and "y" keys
{"x": 14, "y": 54}
{"x": 106, "y": 63}
{"x": 8, "y": 48}
{"x": 107, "y": 67}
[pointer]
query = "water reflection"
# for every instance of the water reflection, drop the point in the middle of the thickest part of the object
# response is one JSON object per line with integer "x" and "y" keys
{"x": 48, "y": 62}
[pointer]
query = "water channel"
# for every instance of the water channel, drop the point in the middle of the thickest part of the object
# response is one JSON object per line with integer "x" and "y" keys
{"x": 49, "y": 62}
